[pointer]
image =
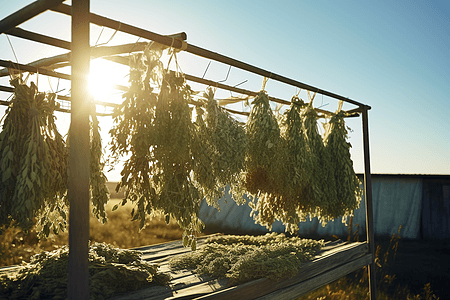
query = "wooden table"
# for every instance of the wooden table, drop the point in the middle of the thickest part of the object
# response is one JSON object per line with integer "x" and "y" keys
{"x": 334, "y": 261}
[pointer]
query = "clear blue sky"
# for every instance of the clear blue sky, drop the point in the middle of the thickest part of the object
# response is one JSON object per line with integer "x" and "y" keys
{"x": 391, "y": 55}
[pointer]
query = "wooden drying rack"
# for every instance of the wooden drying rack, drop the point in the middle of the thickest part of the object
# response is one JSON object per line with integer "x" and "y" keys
{"x": 80, "y": 56}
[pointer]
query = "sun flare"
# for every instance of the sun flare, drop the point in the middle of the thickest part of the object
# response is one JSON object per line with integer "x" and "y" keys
{"x": 102, "y": 78}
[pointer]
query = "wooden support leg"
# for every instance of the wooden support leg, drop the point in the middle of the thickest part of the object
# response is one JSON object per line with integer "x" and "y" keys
{"x": 78, "y": 189}
{"x": 369, "y": 209}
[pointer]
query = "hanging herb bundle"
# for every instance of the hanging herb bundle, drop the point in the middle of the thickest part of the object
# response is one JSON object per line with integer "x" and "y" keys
{"x": 323, "y": 185}
{"x": 33, "y": 163}
{"x": 133, "y": 135}
{"x": 263, "y": 135}
{"x": 157, "y": 133}
{"x": 204, "y": 155}
{"x": 294, "y": 177}
{"x": 98, "y": 188}
{"x": 263, "y": 162}
{"x": 347, "y": 183}
{"x": 178, "y": 197}
{"x": 297, "y": 163}
{"x": 229, "y": 140}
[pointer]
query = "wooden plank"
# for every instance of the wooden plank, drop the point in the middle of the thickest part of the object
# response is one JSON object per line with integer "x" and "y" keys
{"x": 147, "y": 293}
{"x": 295, "y": 291}
{"x": 8, "y": 269}
{"x": 195, "y": 289}
{"x": 321, "y": 264}
{"x": 199, "y": 290}
{"x": 158, "y": 251}
{"x": 176, "y": 243}
{"x": 187, "y": 285}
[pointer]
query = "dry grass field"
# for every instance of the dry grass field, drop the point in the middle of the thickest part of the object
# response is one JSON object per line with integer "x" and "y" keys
{"x": 119, "y": 231}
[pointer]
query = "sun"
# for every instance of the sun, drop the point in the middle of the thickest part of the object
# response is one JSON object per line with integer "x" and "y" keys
{"x": 102, "y": 78}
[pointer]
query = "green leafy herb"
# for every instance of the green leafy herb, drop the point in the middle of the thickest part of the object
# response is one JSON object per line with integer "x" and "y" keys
{"x": 263, "y": 137}
{"x": 33, "y": 163}
{"x": 245, "y": 258}
{"x": 98, "y": 187}
{"x": 347, "y": 183}
{"x": 45, "y": 277}
{"x": 323, "y": 183}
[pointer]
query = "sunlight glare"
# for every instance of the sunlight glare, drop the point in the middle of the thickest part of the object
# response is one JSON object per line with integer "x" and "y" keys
{"x": 102, "y": 78}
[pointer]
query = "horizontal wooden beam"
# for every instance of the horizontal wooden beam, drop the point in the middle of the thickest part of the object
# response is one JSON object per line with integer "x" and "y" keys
{"x": 60, "y": 97}
{"x": 62, "y": 60}
{"x": 37, "y": 37}
{"x": 6, "y": 89}
{"x": 26, "y": 13}
{"x": 21, "y": 67}
{"x": 43, "y": 71}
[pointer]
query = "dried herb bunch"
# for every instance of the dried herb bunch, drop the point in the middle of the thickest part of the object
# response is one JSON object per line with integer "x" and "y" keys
{"x": 263, "y": 135}
{"x": 157, "y": 133}
{"x": 229, "y": 139}
{"x": 245, "y": 258}
{"x": 132, "y": 134}
{"x": 97, "y": 181}
{"x": 263, "y": 162}
{"x": 33, "y": 163}
{"x": 176, "y": 193}
{"x": 348, "y": 188}
{"x": 295, "y": 172}
{"x": 205, "y": 154}
{"x": 323, "y": 184}
{"x": 45, "y": 277}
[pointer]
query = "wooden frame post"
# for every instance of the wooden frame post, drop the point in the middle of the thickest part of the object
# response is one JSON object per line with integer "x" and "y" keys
{"x": 369, "y": 208}
{"x": 78, "y": 186}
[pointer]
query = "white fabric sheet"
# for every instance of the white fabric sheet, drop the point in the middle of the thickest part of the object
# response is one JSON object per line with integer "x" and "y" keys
{"x": 396, "y": 202}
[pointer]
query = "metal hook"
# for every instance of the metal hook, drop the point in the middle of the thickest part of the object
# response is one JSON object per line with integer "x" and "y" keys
{"x": 98, "y": 38}
{"x": 229, "y": 69}
{"x": 322, "y": 105}
{"x": 240, "y": 83}
{"x": 206, "y": 70}
{"x": 12, "y": 48}
{"x": 231, "y": 93}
